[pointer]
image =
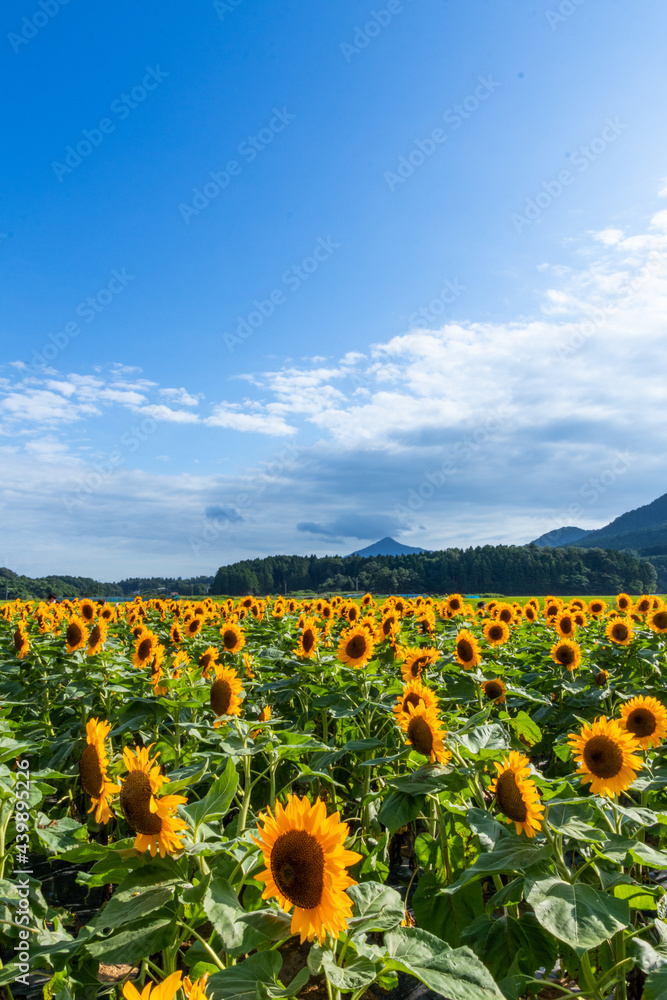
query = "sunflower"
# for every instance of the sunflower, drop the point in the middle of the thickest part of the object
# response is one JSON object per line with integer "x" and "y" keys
{"x": 530, "y": 613}
{"x": 646, "y": 719}
{"x": 355, "y": 647}
{"x": 504, "y": 613}
{"x": 388, "y": 627}
{"x": 644, "y": 605}
{"x": 152, "y": 817}
{"x": 306, "y": 866}
{"x": 307, "y": 640}
{"x": 552, "y": 605}
{"x": 76, "y": 634}
{"x": 196, "y": 990}
{"x": 207, "y": 660}
{"x": 87, "y": 610}
{"x": 424, "y": 734}
{"x": 454, "y": 604}
{"x": 565, "y": 624}
{"x": 580, "y": 619}
{"x": 416, "y": 661}
{"x": 606, "y": 755}
{"x": 21, "y": 641}
{"x": 97, "y": 637}
{"x": 517, "y": 797}
{"x": 166, "y": 990}
{"x": 596, "y": 607}
{"x": 225, "y": 692}
{"x": 496, "y": 632}
{"x": 414, "y": 693}
{"x": 601, "y": 678}
{"x": 495, "y": 690}
{"x": 247, "y": 663}
{"x": 624, "y": 602}
{"x": 192, "y": 627}
{"x": 657, "y": 619}
{"x": 180, "y": 661}
{"x": 176, "y": 634}
{"x": 93, "y": 774}
{"x": 233, "y": 637}
{"x": 467, "y": 649}
{"x": 145, "y": 649}
{"x": 367, "y": 601}
{"x": 567, "y": 653}
{"x": 620, "y": 631}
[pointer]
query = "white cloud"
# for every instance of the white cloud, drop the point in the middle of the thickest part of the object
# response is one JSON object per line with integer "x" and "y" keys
{"x": 180, "y": 397}
{"x": 233, "y": 418}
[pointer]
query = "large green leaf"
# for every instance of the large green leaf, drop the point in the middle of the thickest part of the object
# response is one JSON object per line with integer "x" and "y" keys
{"x": 237, "y": 930}
{"x": 399, "y": 809}
{"x": 356, "y": 973}
{"x": 655, "y": 987}
{"x": 494, "y": 940}
{"x": 376, "y": 907}
{"x": 618, "y": 848}
{"x": 126, "y": 906}
{"x": 455, "y": 973}
{"x": 446, "y": 914}
{"x": 216, "y": 802}
{"x": 577, "y": 914}
{"x": 240, "y": 982}
{"x": 490, "y": 737}
{"x": 510, "y": 854}
{"x": 135, "y": 941}
{"x": 574, "y": 820}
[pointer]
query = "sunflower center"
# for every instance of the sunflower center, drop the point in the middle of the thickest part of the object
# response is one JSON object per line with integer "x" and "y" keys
{"x": 74, "y": 634}
{"x": 620, "y": 631}
{"x": 495, "y": 633}
{"x": 356, "y": 647}
{"x": 297, "y": 866}
{"x": 505, "y": 615}
{"x": 204, "y": 661}
{"x": 411, "y": 699}
{"x": 509, "y": 798}
{"x": 660, "y": 619}
{"x": 95, "y": 635}
{"x": 135, "y": 800}
{"x": 493, "y": 690}
{"x": 566, "y": 625}
{"x": 229, "y": 639}
{"x": 465, "y": 650}
{"x": 221, "y": 696}
{"x": 90, "y": 771}
{"x": 420, "y": 735}
{"x": 565, "y": 654}
{"x": 87, "y": 612}
{"x": 308, "y": 640}
{"x": 144, "y": 649}
{"x": 601, "y": 678}
{"x": 603, "y": 757}
{"x": 641, "y": 722}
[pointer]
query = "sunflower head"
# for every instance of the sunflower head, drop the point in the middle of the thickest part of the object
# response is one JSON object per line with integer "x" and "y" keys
{"x": 517, "y": 797}
{"x": 145, "y": 648}
{"x": 606, "y": 755}
{"x": 307, "y": 640}
{"x": 657, "y": 619}
{"x": 76, "y": 634}
{"x": 596, "y": 607}
{"x": 416, "y": 661}
{"x": 152, "y": 816}
{"x": 467, "y": 650}
{"x": 93, "y": 764}
{"x": 355, "y": 648}
{"x": 496, "y": 632}
{"x": 424, "y": 733}
{"x": 414, "y": 693}
{"x": 567, "y": 653}
{"x": 620, "y": 631}
{"x": 646, "y": 719}
{"x": 233, "y": 637}
{"x": 225, "y": 692}
{"x": 624, "y": 603}
{"x": 495, "y": 690}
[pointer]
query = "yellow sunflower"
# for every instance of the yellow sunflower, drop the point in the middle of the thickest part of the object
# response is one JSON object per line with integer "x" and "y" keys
{"x": 596, "y": 607}
{"x": 166, "y": 990}
{"x": 225, "y": 692}
{"x": 424, "y": 733}
{"x": 76, "y": 634}
{"x": 624, "y": 603}
{"x": 233, "y": 637}
{"x": 21, "y": 641}
{"x": 87, "y": 610}
{"x": 192, "y": 627}
{"x": 467, "y": 649}
{"x": 196, "y": 990}
{"x": 207, "y": 660}
{"x": 644, "y": 605}
{"x": 454, "y": 604}
{"x": 565, "y": 624}
{"x": 530, "y": 613}
{"x": 306, "y": 866}
{"x": 416, "y": 661}
{"x": 567, "y": 653}
{"x": 657, "y": 619}
{"x": 517, "y": 797}
{"x": 495, "y": 690}
{"x": 152, "y": 816}
{"x": 414, "y": 693}
{"x": 355, "y": 647}
{"x": 496, "y": 632}
{"x": 93, "y": 774}
{"x": 307, "y": 640}
{"x": 176, "y": 634}
{"x": 646, "y": 719}
{"x": 97, "y": 637}
{"x": 601, "y": 678}
{"x": 606, "y": 755}
{"x": 620, "y": 631}
{"x": 504, "y": 613}
{"x": 145, "y": 649}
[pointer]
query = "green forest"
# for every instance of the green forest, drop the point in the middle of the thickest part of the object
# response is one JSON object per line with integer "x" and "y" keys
{"x": 506, "y": 569}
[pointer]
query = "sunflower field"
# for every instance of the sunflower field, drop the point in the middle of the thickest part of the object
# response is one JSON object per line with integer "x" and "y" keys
{"x": 272, "y": 798}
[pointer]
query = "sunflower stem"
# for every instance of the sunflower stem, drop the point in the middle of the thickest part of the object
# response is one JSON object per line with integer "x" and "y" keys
{"x": 589, "y": 978}
{"x": 245, "y": 805}
{"x": 205, "y": 943}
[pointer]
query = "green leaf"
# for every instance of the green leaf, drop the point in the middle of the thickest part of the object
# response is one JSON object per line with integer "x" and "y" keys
{"x": 618, "y": 848}
{"x": 186, "y": 776}
{"x": 446, "y": 914}
{"x": 494, "y": 940}
{"x": 216, "y": 802}
{"x": 490, "y": 737}
{"x": 273, "y": 992}
{"x": 577, "y": 914}
{"x": 135, "y": 941}
{"x": 399, "y": 809}
{"x": 523, "y": 726}
{"x": 455, "y": 973}
{"x": 655, "y": 987}
{"x": 574, "y": 820}
{"x": 510, "y": 854}
{"x": 639, "y": 897}
{"x": 240, "y": 982}
{"x": 487, "y": 828}
{"x": 222, "y": 907}
{"x": 358, "y": 972}
{"x": 126, "y": 906}
{"x": 376, "y": 907}
{"x": 647, "y": 956}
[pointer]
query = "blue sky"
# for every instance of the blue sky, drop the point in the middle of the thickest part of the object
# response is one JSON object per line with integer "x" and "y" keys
{"x": 291, "y": 277}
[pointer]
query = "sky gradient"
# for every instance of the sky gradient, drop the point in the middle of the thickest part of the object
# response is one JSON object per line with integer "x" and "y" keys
{"x": 292, "y": 277}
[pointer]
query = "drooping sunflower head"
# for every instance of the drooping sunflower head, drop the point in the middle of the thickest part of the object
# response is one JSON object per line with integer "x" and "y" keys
{"x": 414, "y": 693}
{"x": 97, "y": 637}
{"x": 516, "y": 795}
{"x": 225, "y": 692}
{"x": 646, "y": 719}
{"x": 495, "y": 690}
{"x": 93, "y": 774}
{"x": 424, "y": 733}
{"x": 467, "y": 649}
{"x": 496, "y": 632}
{"x": 308, "y": 639}
{"x": 567, "y": 653}
{"x": 620, "y": 631}
{"x": 152, "y": 816}
{"x": 416, "y": 661}
{"x": 355, "y": 647}
{"x": 207, "y": 660}
{"x": 606, "y": 755}
{"x": 233, "y": 637}
{"x": 145, "y": 648}
{"x": 76, "y": 634}
{"x": 306, "y": 866}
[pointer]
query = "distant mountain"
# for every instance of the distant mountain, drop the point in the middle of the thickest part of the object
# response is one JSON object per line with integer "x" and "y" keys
{"x": 387, "y": 547}
{"x": 560, "y": 536}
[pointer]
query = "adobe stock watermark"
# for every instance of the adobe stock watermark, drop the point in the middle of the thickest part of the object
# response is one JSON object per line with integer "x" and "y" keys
{"x": 598, "y": 315}
{"x": 122, "y": 107}
{"x": 582, "y": 158}
{"x": 429, "y": 314}
{"x": 591, "y": 491}
{"x": 220, "y": 517}
{"x": 463, "y": 451}
{"x": 31, "y": 26}
{"x": 130, "y": 441}
{"x": 564, "y": 10}
{"x": 249, "y": 148}
{"x": 454, "y": 117}
{"x": 88, "y": 311}
{"x": 23, "y": 917}
{"x": 377, "y": 21}
{"x": 292, "y": 279}
{"x": 224, "y": 7}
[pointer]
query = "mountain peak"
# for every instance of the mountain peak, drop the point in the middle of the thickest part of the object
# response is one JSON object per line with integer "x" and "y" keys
{"x": 387, "y": 547}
